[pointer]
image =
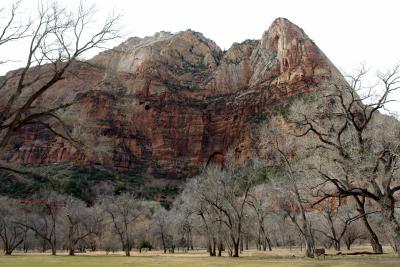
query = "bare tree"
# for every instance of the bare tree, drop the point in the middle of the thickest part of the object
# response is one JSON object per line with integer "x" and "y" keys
{"x": 165, "y": 223}
{"x": 352, "y": 234}
{"x": 225, "y": 193}
{"x": 337, "y": 217}
{"x": 43, "y": 217}
{"x": 80, "y": 222}
{"x": 370, "y": 232}
{"x": 12, "y": 28}
{"x": 12, "y": 234}
{"x": 259, "y": 202}
{"x": 180, "y": 227}
{"x": 191, "y": 204}
{"x": 356, "y": 148}
{"x": 109, "y": 242}
{"x": 56, "y": 39}
{"x": 124, "y": 211}
{"x": 291, "y": 200}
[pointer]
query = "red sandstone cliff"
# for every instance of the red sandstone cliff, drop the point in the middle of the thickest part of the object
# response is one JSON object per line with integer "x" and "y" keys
{"x": 168, "y": 104}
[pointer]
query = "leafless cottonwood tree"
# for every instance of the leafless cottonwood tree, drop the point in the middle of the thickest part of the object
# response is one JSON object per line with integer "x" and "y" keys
{"x": 371, "y": 235}
{"x": 356, "y": 148}
{"x": 353, "y": 233}
{"x": 12, "y": 234}
{"x": 336, "y": 220}
{"x": 224, "y": 194}
{"x": 80, "y": 222}
{"x": 184, "y": 227}
{"x": 258, "y": 202}
{"x": 12, "y": 28}
{"x": 162, "y": 223}
{"x": 209, "y": 225}
{"x": 124, "y": 211}
{"x": 56, "y": 38}
{"x": 292, "y": 198}
{"x": 172, "y": 229}
{"x": 43, "y": 217}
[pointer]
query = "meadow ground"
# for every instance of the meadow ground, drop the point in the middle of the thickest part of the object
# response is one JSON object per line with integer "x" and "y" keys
{"x": 277, "y": 258}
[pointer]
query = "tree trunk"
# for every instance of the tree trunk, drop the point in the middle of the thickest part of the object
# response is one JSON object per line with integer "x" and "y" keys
{"x": 236, "y": 249}
{"x": 220, "y": 248}
{"x": 309, "y": 246}
{"x": 210, "y": 248}
{"x": 53, "y": 250}
{"x": 268, "y": 241}
{"x": 375, "y": 244}
{"x": 391, "y": 225}
{"x": 337, "y": 245}
{"x": 372, "y": 237}
{"x": 54, "y": 243}
{"x": 44, "y": 246}
{"x": 191, "y": 247}
{"x": 71, "y": 251}
{"x": 127, "y": 252}
{"x": 348, "y": 245}
{"x": 163, "y": 242}
{"x": 213, "y": 247}
{"x": 236, "y": 244}
{"x": 128, "y": 246}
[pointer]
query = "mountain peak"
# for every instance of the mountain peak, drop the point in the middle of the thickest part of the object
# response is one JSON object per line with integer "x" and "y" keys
{"x": 287, "y": 54}
{"x": 283, "y": 31}
{"x": 180, "y": 102}
{"x": 188, "y": 46}
{"x": 284, "y": 22}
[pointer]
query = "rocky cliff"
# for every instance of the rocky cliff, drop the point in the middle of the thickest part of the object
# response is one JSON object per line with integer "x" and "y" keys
{"x": 167, "y": 105}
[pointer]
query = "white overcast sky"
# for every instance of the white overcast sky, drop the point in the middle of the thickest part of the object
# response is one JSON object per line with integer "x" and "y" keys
{"x": 349, "y": 32}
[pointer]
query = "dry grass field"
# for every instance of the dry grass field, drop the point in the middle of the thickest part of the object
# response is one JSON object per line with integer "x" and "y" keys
{"x": 252, "y": 258}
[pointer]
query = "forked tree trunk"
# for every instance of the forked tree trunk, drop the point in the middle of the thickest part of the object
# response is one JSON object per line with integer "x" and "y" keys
{"x": 265, "y": 242}
{"x": 372, "y": 237}
{"x": 210, "y": 251}
{"x": 220, "y": 248}
{"x": 309, "y": 246}
{"x": 9, "y": 248}
{"x": 235, "y": 249}
{"x": 391, "y": 225}
{"x": 236, "y": 246}
{"x": 336, "y": 244}
{"x": 213, "y": 246}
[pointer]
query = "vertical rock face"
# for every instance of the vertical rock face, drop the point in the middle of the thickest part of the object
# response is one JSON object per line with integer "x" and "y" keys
{"x": 287, "y": 56}
{"x": 167, "y": 105}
